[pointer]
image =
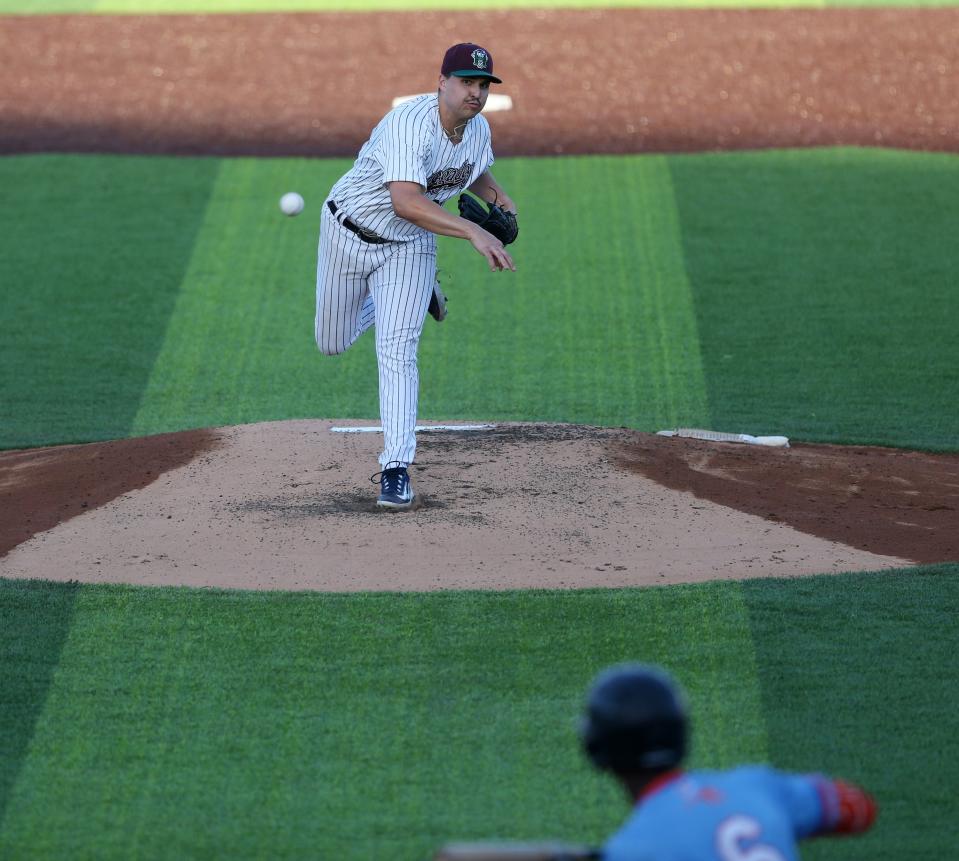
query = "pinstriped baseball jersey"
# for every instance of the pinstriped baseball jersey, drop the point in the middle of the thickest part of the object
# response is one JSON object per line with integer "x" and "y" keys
{"x": 388, "y": 285}
{"x": 409, "y": 145}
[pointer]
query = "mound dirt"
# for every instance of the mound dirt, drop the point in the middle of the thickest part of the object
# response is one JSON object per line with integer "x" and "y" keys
{"x": 288, "y": 505}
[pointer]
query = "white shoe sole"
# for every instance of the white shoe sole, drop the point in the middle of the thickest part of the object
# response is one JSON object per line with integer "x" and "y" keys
{"x": 396, "y": 506}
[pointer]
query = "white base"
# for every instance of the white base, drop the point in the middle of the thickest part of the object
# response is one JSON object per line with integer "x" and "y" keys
{"x": 722, "y": 436}
{"x": 419, "y": 428}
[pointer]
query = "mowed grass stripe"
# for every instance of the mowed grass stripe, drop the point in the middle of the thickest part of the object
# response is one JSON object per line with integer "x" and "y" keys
{"x": 859, "y": 679}
{"x": 821, "y": 284}
{"x": 93, "y": 254}
{"x": 34, "y": 621}
{"x": 650, "y": 257}
{"x": 726, "y": 688}
{"x": 188, "y": 723}
{"x": 48, "y": 7}
{"x": 824, "y": 284}
{"x": 613, "y": 341}
{"x": 723, "y": 683}
{"x": 597, "y": 325}
{"x": 239, "y": 346}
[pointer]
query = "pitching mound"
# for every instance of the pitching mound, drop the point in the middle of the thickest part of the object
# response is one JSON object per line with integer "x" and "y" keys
{"x": 288, "y": 505}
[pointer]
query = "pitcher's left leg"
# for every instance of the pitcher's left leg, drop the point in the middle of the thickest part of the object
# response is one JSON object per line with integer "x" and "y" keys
{"x": 401, "y": 290}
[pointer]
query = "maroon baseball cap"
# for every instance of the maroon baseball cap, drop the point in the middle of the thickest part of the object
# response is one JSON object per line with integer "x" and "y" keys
{"x": 467, "y": 60}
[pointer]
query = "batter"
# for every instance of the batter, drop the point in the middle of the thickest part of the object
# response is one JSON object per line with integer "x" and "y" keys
{"x": 377, "y": 250}
{"x": 636, "y": 727}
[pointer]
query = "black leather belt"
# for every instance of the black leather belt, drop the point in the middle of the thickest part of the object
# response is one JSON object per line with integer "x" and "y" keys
{"x": 365, "y": 235}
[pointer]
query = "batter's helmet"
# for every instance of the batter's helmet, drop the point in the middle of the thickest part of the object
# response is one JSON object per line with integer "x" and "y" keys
{"x": 635, "y": 720}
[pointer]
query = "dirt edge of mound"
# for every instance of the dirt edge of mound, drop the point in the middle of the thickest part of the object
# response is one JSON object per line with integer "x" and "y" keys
{"x": 42, "y": 487}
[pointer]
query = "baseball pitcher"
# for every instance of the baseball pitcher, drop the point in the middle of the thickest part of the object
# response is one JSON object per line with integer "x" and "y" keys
{"x": 377, "y": 250}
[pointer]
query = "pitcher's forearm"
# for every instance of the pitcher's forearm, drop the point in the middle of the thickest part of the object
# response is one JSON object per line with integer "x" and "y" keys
{"x": 411, "y": 204}
{"x": 431, "y": 216}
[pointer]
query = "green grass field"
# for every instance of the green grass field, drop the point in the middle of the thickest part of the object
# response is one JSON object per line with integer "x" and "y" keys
{"x": 185, "y": 723}
{"x": 167, "y": 293}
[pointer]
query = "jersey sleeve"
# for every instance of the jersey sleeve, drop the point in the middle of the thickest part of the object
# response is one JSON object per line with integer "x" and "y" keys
{"x": 488, "y": 157}
{"x": 403, "y": 148}
{"x": 816, "y": 804}
{"x": 797, "y": 795}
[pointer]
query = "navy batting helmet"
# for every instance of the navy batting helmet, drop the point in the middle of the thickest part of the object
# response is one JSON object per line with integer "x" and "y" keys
{"x": 635, "y": 720}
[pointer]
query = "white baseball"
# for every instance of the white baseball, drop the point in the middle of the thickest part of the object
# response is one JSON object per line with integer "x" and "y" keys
{"x": 291, "y": 203}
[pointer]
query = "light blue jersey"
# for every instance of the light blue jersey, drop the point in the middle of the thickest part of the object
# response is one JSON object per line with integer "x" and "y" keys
{"x": 753, "y": 813}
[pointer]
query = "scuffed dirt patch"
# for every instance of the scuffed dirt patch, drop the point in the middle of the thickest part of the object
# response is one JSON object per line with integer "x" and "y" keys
{"x": 582, "y": 81}
{"x": 289, "y": 505}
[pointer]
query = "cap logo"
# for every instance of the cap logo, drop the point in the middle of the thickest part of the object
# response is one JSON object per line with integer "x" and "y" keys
{"x": 480, "y": 58}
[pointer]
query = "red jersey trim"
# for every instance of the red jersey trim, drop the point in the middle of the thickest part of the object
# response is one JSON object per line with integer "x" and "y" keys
{"x": 659, "y": 782}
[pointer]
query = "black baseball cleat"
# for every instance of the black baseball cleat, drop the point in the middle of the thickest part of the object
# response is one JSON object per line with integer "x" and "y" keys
{"x": 437, "y": 307}
{"x": 396, "y": 491}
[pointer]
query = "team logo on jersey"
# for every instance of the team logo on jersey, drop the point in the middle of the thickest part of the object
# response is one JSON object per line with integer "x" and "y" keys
{"x": 480, "y": 58}
{"x": 450, "y": 177}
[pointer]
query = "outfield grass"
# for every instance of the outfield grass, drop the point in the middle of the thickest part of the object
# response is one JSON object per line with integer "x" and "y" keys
{"x": 39, "y": 7}
{"x": 824, "y": 292}
{"x": 807, "y": 293}
{"x": 187, "y": 723}
{"x": 850, "y": 681}
{"x": 92, "y": 266}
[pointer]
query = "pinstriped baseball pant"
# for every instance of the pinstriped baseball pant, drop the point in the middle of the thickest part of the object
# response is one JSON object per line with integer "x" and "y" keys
{"x": 389, "y": 286}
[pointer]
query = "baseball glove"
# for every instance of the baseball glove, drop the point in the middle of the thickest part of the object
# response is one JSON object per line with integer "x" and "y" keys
{"x": 497, "y": 221}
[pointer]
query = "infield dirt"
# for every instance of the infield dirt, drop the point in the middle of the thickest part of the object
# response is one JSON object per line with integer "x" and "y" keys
{"x": 287, "y": 505}
{"x": 581, "y": 81}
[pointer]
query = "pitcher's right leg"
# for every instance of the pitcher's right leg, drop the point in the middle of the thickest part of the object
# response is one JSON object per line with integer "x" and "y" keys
{"x": 344, "y": 306}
